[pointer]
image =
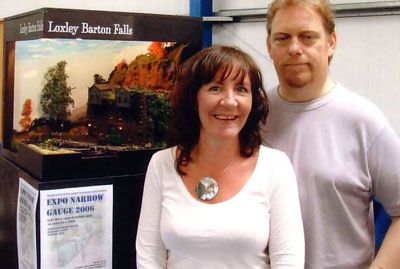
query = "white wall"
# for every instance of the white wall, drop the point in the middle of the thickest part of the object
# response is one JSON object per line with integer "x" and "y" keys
{"x": 238, "y": 4}
{"x": 219, "y": 5}
{"x": 173, "y": 7}
{"x": 367, "y": 59}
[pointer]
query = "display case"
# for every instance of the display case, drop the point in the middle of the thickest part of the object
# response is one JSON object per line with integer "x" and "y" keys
{"x": 86, "y": 101}
{"x": 89, "y": 84}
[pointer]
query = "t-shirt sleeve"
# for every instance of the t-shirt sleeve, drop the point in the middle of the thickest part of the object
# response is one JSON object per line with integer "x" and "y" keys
{"x": 384, "y": 168}
{"x": 150, "y": 250}
{"x": 286, "y": 244}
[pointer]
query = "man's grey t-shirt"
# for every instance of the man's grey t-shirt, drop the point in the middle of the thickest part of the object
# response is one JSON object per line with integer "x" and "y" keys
{"x": 344, "y": 153}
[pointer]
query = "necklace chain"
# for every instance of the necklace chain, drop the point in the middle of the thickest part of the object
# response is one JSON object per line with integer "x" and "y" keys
{"x": 229, "y": 166}
{"x": 207, "y": 187}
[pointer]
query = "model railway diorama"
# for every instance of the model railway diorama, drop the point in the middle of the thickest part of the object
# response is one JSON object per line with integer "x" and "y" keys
{"x": 90, "y": 84}
{"x": 129, "y": 110}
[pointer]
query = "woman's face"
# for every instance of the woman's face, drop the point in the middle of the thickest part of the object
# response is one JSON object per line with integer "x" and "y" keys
{"x": 224, "y": 106}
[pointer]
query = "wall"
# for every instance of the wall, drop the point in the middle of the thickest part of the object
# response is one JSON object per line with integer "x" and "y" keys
{"x": 174, "y": 7}
{"x": 366, "y": 61}
{"x": 219, "y": 5}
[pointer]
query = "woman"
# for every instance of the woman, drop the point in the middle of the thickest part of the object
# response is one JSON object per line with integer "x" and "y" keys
{"x": 218, "y": 199}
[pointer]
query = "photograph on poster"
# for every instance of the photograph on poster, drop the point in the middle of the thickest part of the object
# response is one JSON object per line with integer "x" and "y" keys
{"x": 76, "y": 227}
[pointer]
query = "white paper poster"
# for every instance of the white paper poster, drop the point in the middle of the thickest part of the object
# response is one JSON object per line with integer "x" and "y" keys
{"x": 26, "y": 225}
{"x": 76, "y": 227}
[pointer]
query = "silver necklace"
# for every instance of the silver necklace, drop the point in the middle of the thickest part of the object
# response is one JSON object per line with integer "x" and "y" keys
{"x": 207, "y": 187}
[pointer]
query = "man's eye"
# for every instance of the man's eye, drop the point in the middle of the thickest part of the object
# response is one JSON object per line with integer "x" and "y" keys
{"x": 281, "y": 38}
{"x": 309, "y": 38}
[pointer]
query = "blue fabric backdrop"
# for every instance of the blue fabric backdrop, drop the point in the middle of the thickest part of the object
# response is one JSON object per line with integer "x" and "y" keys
{"x": 382, "y": 222}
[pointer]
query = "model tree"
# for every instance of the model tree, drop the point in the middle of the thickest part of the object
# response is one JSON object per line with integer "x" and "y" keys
{"x": 56, "y": 98}
{"x": 157, "y": 48}
{"x": 25, "y": 121}
{"x": 98, "y": 79}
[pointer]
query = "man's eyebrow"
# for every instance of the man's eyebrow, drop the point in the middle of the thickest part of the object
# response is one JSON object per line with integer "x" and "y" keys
{"x": 300, "y": 32}
{"x": 309, "y": 32}
{"x": 280, "y": 33}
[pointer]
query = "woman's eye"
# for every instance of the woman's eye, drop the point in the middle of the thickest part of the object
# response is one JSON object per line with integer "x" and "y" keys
{"x": 214, "y": 89}
{"x": 242, "y": 89}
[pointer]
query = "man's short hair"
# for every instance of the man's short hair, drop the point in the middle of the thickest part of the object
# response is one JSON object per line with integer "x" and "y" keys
{"x": 323, "y": 7}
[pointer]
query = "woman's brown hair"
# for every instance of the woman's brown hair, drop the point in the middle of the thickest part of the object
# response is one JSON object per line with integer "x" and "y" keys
{"x": 214, "y": 63}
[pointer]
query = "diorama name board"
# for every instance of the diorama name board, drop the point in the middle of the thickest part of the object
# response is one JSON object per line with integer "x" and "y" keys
{"x": 89, "y": 24}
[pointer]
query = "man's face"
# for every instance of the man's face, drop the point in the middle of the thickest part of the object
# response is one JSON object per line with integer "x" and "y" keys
{"x": 300, "y": 47}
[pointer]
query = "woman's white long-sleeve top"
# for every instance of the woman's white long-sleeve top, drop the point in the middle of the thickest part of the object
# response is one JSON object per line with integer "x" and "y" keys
{"x": 259, "y": 227}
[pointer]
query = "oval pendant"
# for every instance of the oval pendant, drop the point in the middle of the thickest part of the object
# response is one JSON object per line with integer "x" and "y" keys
{"x": 206, "y": 188}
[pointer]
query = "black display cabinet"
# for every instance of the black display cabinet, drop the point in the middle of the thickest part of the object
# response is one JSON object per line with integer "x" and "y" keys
{"x": 110, "y": 142}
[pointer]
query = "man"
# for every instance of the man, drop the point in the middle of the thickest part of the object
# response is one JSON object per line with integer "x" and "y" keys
{"x": 343, "y": 149}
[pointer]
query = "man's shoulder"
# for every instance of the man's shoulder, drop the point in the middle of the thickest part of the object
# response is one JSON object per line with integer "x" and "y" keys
{"x": 356, "y": 105}
{"x": 350, "y": 109}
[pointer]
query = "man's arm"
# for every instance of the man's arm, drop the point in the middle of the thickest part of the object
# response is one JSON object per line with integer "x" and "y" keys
{"x": 388, "y": 256}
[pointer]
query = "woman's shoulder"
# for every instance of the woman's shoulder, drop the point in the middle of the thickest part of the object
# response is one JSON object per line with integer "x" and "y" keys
{"x": 164, "y": 155}
{"x": 274, "y": 159}
{"x": 272, "y": 153}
